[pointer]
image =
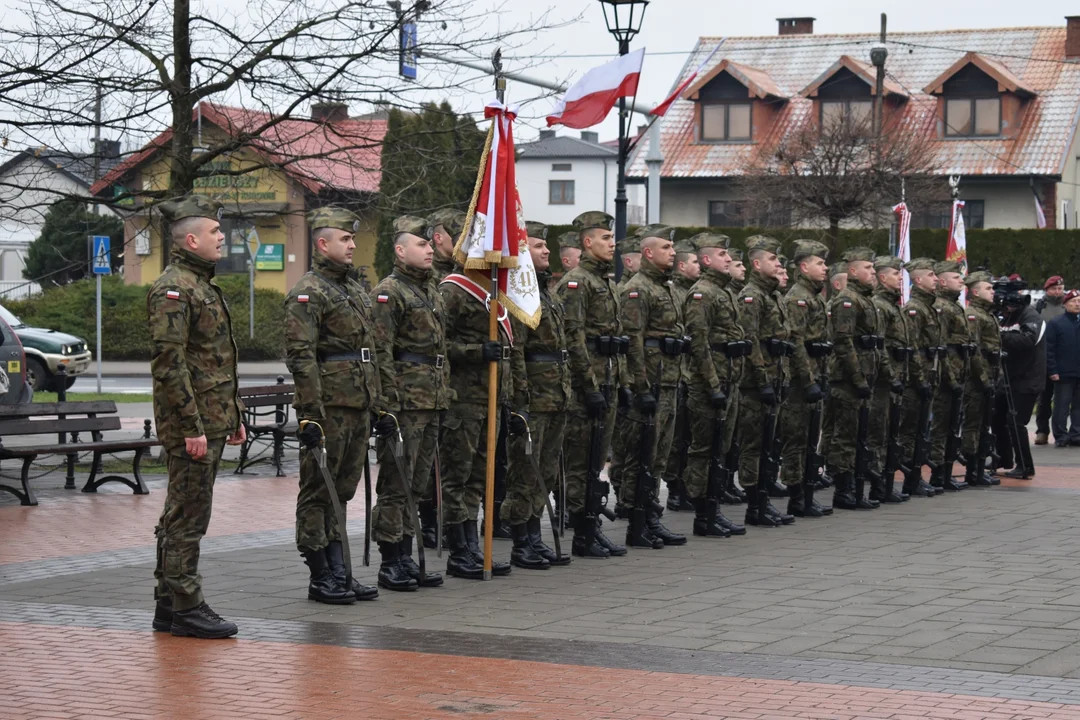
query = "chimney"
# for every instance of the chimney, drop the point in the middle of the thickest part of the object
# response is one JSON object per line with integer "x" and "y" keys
{"x": 796, "y": 26}
{"x": 330, "y": 112}
{"x": 1072, "y": 36}
{"x": 547, "y": 134}
{"x": 590, "y": 136}
{"x": 108, "y": 149}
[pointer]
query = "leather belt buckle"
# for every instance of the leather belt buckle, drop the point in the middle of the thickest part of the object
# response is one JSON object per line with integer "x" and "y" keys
{"x": 365, "y": 355}
{"x": 438, "y": 361}
{"x": 505, "y": 352}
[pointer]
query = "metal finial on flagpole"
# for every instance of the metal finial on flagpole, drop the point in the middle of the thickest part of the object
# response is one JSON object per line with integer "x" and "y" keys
{"x": 954, "y": 186}
{"x": 500, "y": 79}
{"x": 903, "y": 190}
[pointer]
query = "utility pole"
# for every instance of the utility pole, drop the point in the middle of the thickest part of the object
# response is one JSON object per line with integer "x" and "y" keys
{"x": 97, "y": 145}
{"x": 877, "y": 57}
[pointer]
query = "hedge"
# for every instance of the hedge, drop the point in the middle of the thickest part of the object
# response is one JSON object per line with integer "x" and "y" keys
{"x": 1035, "y": 254}
{"x": 70, "y": 309}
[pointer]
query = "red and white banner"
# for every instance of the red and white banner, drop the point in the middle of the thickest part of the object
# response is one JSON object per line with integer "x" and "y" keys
{"x": 903, "y": 245}
{"x": 1040, "y": 216}
{"x": 663, "y": 107}
{"x": 590, "y": 99}
{"x": 494, "y": 234}
{"x": 957, "y": 247}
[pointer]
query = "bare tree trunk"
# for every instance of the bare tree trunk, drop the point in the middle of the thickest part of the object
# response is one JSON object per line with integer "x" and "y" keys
{"x": 183, "y": 102}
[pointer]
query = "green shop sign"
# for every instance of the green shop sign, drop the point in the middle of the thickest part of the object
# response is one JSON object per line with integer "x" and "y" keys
{"x": 270, "y": 257}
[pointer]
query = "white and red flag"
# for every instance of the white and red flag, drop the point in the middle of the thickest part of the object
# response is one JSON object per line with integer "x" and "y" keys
{"x": 1040, "y": 216}
{"x": 957, "y": 247}
{"x": 494, "y": 233}
{"x": 903, "y": 245}
{"x": 663, "y": 107}
{"x": 590, "y": 99}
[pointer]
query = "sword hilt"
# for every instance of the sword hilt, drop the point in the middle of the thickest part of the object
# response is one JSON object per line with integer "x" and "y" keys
{"x": 400, "y": 442}
{"x": 322, "y": 433}
{"x": 528, "y": 432}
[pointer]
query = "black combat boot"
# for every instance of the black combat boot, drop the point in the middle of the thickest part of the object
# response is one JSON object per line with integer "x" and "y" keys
{"x": 163, "y": 613}
{"x": 322, "y": 587}
{"x": 674, "y": 495}
{"x": 335, "y": 558}
{"x": 501, "y": 530}
{"x": 825, "y": 480}
{"x": 429, "y": 523}
{"x": 773, "y": 511}
{"x": 810, "y": 502}
{"x": 536, "y": 539}
{"x": 975, "y": 476}
{"x": 430, "y": 579}
{"x": 392, "y": 574}
{"x": 753, "y": 500}
{"x": 657, "y": 528}
{"x": 777, "y": 489}
{"x": 879, "y": 491}
{"x": 638, "y": 533}
{"x": 523, "y": 555}
{"x": 705, "y": 524}
{"x": 946, "y": 481}
{"x": 472, "y": 538}
{"x": 584, "y": 543}
{"x": 614, "y": 549}
{"x": 798, "y": 505}
{"x": 461, "y": 562}
{"x": 201, "y": 622}
{"x": 844, "y": 491}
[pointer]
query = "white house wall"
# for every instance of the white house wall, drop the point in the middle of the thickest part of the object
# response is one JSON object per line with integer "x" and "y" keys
{"x": 594, "y": 189}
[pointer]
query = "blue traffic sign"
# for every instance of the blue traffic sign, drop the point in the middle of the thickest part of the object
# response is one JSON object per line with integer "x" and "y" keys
{"x": 100, "y": 260}
{"x": 407, "y": 51}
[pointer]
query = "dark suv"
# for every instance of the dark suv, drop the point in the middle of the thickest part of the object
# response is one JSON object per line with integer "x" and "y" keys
{"x": 46, "y": 350}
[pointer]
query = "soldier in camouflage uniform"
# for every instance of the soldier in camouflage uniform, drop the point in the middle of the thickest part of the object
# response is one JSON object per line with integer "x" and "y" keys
{"x": 711, "y": 318}
{"x": 545, "y": 393}
{"x": 891, "y": 382}
{"x": 734, "y": 494}
{"x": 621, "y": 440}
{"x": 630, "y": 253}
{"x": 687, "y": 271}
{"x": 762, "y": 316}
{"x": 924, "y": 330}
{"x": 737, "y": 271}
{"x": 981, "y": 383}
{"x": 411, "y": 349}
{"x": 569, "y": 250}
{"x": 837, "y": 279}
{"x": 853, "y": 369}
{"x": 591, "y": 310}
{"x": 808, "y": 327}
{"x": 443, "y": 229}
{"x": 196, "y": 408}
{"x": 955, "y": 367}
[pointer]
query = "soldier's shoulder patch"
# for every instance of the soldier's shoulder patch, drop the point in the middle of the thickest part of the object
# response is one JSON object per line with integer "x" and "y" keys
{"x": 172, "y": 294}
{"x": 847, "y": 304}
{"x": 382, "y": 298}
{"x": 801, "y": 303}
{"x": 302, "y": 298}
{"x": 572, "y": 285}
{"x": 749, "y": 299}
{"x": 633, "y": 295}
{"x": 971, "y": 318}
{"x": 697, "y": 296}
{"x": 912, "y": 313}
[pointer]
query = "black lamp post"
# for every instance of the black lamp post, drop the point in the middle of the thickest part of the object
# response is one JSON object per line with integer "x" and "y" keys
{"x": 623, "y": 19}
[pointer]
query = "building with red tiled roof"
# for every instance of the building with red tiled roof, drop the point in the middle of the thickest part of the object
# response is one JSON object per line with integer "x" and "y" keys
{"x": 998, "y": 107}
{"x": 280, "y": 169}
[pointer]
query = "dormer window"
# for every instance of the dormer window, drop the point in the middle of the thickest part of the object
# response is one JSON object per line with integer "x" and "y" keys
{"x": 730, "y": 98}
{"x": 845, "y": 92}
{"x": 857, "y": 112}
{"x": 725, "y": 121}
{"x": 972, "y": 117}
{"x": 980, "y": 98}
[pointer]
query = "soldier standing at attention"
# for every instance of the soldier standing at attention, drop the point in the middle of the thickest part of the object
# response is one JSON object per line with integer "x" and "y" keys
{"x": 808, "y": 326}
{"x": 891, "y": 380}
{"x": 630, "y": 252}
{"x": 621, "y": 440}
{"x": 443, "y": 229}
{"x": 924, "y": 329}
{"x": 545, "y": 392}
{"x": 986, "y": 333}
{"x": 330, "y": 350}
{"x": 411, "y": 349}
{"x": 838, "y": 278}
{"x": 196, "y": 408}
{"x": 569, "y": 250}
{"x": 687, "y": 271}
{"x": 737, "y": 270}
{"x": 852, "y": 370}
{"x": 955, "y": 366}
{"x": 591, "y": 311}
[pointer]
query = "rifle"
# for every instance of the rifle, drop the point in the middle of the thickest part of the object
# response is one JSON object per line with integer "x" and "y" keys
{"x": 921, "y": 454}
{"x": 768, "y": 467}
{"x": 681, "y": 446}
{"x": 987, "y": 441}
{"x": 596, "y": 490}
{"x": 720, "y": 476}
{"x": 893, "y": 449}
{"x": 814, "y": 466}
{"x": 863, "y": 452}
{"x": 955, "y": 440}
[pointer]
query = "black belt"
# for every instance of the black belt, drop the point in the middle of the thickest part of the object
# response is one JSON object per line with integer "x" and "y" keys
{"x": 560, "y": 357}
{"x": 733, "y": 349}
{"x": 777, "y": 347}
{"x": 961, "y": 349}
{"x": 869, "y": 342}
{"x": 668, "y": 345}
{"x": 419, "y": 359}
{"x": 931, "y": 352}
{"x": 361, "y": 355}
{"x": 607, "y": 345}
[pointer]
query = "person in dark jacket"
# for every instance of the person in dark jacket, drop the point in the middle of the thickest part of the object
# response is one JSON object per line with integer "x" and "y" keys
{"x": 1049, "y": 307}
{"x": 1023, "y": 340}
{"x": 1063, "y": 368}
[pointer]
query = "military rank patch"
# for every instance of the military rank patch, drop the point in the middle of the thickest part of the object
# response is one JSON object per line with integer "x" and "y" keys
{"x": 748, "y": 300}
{"x": 172, "y": 294}
{"x": 633, "y": 296}
{"x": 697, "y": 296}
{"x": 302, "y": 298}
{"x": 912, "y": 313}
{"x": 382, "y": 298}
{"x": 801, "y": 303}
{"x": 572, "y": 285}
{"x": 847, "y": 304}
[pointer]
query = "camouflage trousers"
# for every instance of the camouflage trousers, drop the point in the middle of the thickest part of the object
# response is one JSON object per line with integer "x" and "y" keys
{"x": 419, "y": 432}
{"x": 751, "y": 420}
{"x": 701, "y": 418}
{"x": 840, "y": 444}
{"x": 939, "y": 429}
{"x": 731, "y": 421}
{"x": 621, "y": 439}
{"x": 662, "y": 435}
{"x": 183, "y": 523}
{"x": 794, "y": 426}
{"x": 527, "y": 492}
{"x": 576, "y": 441}
{"x": 973, "y": 418}
{"x": 680, "y": 443}
{"x": 463, "y": 453}
{"x": 878, "y": 437}
{"x": 909, "y": 424}
{"x": 346, "y": 432}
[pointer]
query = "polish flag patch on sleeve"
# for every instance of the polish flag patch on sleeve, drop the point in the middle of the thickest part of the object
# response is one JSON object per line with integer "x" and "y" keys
{"x": 971, "y": 318}
{"x": 382, "y": 298}
{"x": 912, "y": 313}
{"x": 847, "y": 304}
{"x": 801, "y": 303}
{"x": 633, "y": 295}
{"x": 571, "y": 285}
{"x": 697, "y": 296}
{"x": 302, "y": 298}
{"x": 172, "y": 294}
{"x": 748, "y": 300}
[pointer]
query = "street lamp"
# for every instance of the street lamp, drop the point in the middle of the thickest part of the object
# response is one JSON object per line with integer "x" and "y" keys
{"x": 623, "y": 19}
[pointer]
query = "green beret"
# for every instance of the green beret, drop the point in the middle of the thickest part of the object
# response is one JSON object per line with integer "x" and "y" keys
{"x": 809, "y": 248}
{"x": 978, "y": 277}
{"x": 686, "y": 246}
{"x": 656, "y": 230}
{"x": 883, "y": 262}
{"x": 762, "y": 242}
{"x": 711, "y": 240}
{"x": 412, "y": 225}
{"x": 919, "y": 264}
{"x": 629, "y": 245}
{"x": 191, "y": 206}
{"x": 333, "y": 217}
{"x": 452, "y": 221}
{"x": 857, "y": 254}
{"x": 839, "y": 268}
{"x": 536, "y": 229}
{"x": 571, "y": 239}
{"x": 946, "y": 266}
{"x": 736, "y": 254}
{"x": 594, "y": 219}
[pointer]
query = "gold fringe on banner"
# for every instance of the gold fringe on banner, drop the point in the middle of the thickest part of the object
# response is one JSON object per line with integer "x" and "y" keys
{"x": 490, "y": 257}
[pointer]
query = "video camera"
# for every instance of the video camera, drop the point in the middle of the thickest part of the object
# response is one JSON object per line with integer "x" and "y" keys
{"x": 1010, "y": 295}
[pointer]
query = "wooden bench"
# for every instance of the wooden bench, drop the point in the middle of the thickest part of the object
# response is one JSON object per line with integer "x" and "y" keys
{"x": 64, "y": 418}
{"x": 268, "y": 411}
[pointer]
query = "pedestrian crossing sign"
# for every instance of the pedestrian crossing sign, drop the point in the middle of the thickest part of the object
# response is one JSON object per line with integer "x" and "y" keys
{"x": 99, "y": 259}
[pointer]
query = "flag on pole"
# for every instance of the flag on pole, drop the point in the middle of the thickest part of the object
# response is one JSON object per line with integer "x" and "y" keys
{"x": 903, "y": 245}
{"x": 957, "y": 247}
{"x": 494, "y": 233}
{"x": 590, "y": 99}
{"x": 662, "y": 108}
{"x": 1040, "y": 216}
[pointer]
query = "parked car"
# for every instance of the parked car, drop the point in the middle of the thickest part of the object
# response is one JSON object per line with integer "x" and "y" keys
{"x": 14, "y": 388}
{"x": 46, "y": 350}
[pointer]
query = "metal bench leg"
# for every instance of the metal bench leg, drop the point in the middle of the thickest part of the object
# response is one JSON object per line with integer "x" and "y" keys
{"x": 137, "y": 485}
{"x": 279, "y": 452}
{"x": 26, "y": 495}
{"x": 244, "y": 448}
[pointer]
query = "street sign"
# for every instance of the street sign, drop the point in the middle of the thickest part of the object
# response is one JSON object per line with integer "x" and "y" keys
{"x": 270, "y": 257}
{"x": 99, "y": 259}
{"x": 408, "y": 51}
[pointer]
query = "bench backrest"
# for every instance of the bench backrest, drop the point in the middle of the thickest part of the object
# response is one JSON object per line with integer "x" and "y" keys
{"x": 267, "y": 395}
{"x": 29, "y": 410}
{"x": 42, "y": 418}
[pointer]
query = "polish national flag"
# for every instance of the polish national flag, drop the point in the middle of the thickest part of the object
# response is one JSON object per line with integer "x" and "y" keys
{"x": 662, "y": 108}
{"x": 590, "y": 99}
{"x": 903, "y": 245}
{"x": 957, "y": 246}
{"x": 1040, "y": 216}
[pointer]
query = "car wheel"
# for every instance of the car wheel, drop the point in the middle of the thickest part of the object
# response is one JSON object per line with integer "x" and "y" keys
{"x": 37, "y": 375}
{"x": 69, "y": 382}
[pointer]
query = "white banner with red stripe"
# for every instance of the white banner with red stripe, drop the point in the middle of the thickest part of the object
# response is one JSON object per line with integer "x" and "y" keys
{"x": 903, "y": 244}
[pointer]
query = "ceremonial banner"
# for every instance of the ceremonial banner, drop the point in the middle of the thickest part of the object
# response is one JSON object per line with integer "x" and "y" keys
{"x": 903, "y": 245}
{"x": 957, "y": 247}
{"x": 1040, "y": 216}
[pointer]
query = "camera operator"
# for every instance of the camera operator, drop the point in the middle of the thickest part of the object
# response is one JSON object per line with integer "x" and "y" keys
{"x": 1050, "y": 306}
{"x": 1023, "y": 339}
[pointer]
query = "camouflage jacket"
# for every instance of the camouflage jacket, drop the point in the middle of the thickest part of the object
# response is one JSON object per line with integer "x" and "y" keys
{"x": 853, "y": 316}
{"x": 627, "y": 276}
{"x": 988, "y": 337}
{"x": 808, "y": 321}
{"x": 894, "y": 327}
{"x": 680, "y": 286}
{"x": 466, "y": 331}
{"x": 954, "y": 331}
{"x": 547, "y": 382}
{"x": 591, "y": 309}
{"x": 712, "y": 318}
{"x": 441, "y": 267}
{"x": 327, "y": 313}
{"x": 762, "y": 316}
{"x": 192, "y": 353}
{"x": 924, "y": 329}
{"x": 649, "y": 312}
{"x": 409, "y": 317}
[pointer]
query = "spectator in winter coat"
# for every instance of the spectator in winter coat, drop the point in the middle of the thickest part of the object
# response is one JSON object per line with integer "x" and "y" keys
{"x": 1023, "y": 339}
{"x": 1063, "y": 367}
{"x": 1049, "y": 307}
